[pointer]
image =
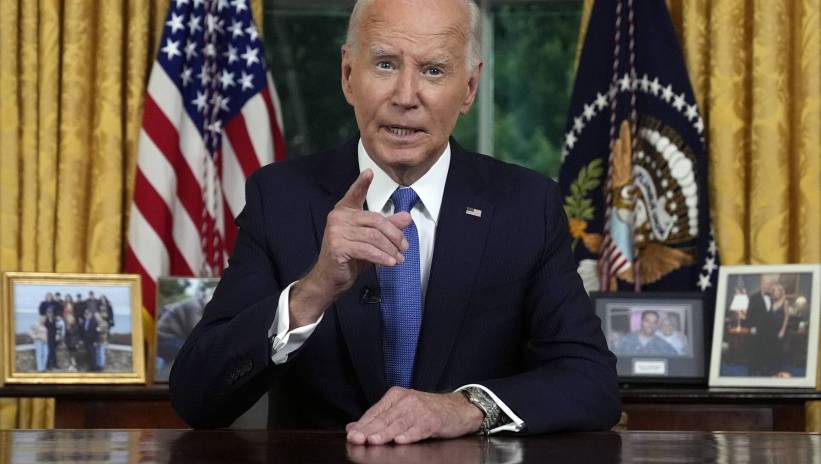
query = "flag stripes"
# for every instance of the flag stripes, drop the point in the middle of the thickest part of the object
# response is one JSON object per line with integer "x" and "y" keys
{"x": 211, "y": 118}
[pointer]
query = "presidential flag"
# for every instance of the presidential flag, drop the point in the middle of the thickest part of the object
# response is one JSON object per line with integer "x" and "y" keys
{"x": 634, "y": 173}
{"x": 211, "y": 118}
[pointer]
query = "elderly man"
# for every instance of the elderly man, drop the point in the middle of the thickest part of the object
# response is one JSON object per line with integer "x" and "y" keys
{"x": 400, "y": 286}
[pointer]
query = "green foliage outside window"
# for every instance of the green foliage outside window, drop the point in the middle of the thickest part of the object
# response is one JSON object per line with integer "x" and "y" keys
{"x": 533, "y": 60}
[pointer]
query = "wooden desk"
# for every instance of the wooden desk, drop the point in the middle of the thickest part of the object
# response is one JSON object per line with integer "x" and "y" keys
{"x": 183, "y": 446}
{"x": 660, "y": 408}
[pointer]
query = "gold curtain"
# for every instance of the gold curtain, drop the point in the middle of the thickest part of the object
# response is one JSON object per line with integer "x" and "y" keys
{"x": 72, "y": 80}
{"x": 71, "y": 88}
{"x": 755, "y": 66}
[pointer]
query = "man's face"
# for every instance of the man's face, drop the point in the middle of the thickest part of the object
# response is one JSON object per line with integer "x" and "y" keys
{"x": 648, "y": 324}
{"x": 407, "y": 79}
{"x": 667, "y": 326}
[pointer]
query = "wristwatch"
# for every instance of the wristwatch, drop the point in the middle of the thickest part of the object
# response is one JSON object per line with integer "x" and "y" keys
{"x": 485, "y": 403}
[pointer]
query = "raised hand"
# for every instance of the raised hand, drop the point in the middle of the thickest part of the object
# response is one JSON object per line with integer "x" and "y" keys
{"x": 353, "y": 239}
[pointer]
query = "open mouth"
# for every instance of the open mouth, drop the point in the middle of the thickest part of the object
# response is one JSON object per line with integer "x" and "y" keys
{"x": 401, "y": 131}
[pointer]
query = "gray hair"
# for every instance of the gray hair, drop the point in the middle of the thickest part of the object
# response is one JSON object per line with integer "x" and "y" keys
{"x": 474, "y": 48}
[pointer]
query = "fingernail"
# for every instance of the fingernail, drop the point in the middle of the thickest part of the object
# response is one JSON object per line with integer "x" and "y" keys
{"x": 400, "y": 258}
{"x": 358, "y": 436}
{"x": 405, "y": 244}
{"x": 400, "y": 438}
{"x": 375, "y": 437}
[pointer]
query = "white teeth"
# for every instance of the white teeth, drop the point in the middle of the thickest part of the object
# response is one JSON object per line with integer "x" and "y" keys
{"x": 400, "y": 131}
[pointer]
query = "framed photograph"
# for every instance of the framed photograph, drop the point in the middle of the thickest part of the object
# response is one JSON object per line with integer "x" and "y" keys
{"x": 180, "y": 303}
{"x": 657, "y": 337}
{"x": 72, "y": 328}
{"x": 766, "y": 326}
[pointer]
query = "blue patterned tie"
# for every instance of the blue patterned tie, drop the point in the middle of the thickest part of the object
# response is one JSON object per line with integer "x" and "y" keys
{"x": 401, "y": 289}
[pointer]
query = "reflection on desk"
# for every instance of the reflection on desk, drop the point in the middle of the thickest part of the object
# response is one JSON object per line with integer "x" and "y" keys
{"x": 184, "y": 446}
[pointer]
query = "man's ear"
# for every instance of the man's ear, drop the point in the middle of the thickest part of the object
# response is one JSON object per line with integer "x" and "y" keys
{"x": 473, "y": 87}
{"x": 346, "y": 70}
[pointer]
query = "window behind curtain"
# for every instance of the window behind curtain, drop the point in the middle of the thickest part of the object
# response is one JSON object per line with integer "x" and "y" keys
{"x": 531, "y": 59}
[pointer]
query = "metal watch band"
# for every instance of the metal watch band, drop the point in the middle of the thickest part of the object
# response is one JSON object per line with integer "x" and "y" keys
{"x": 486, "y": 404}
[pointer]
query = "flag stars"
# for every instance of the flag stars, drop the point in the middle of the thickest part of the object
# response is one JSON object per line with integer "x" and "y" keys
{"x": 223, "y": 103}
{"x": 194, "y": 23}
{"x": 601, "y": 101}
{"x": 704, "y": 282}
{"x": 215, "y": 127}
{"x": 624, "y": 82}
{"x": 186, "y": 76}
{"x": 214, "y": 24}
{"x": 175, "y": 23}
{"x": 198, "y": 3}
{"x": 710, "y": 265}
{"x": 220, "y": 101}
{"x": 236, "y": 29}
{"x": 645, "y": 83}
{"x": 190, "y": 49}
{"x": 655, "y": 86}
{"x": 204, "y": 77}
{"x": 227, "y": 79}
{"x": 699, "y": 125}
{"x": 570, "y": 140}
{"x": 252, "y": 32}
{"x": 589, "y": 112}
{"x": 199, "y": 102}
{"x": 578, "y": 124}
{"x": 247, "y": 81}
{"x": 692, "y": 112}
{"x": 250, "y": 55}
{"x": 667, "y": 93}
{"x": 222, "y": 4}
{"x": 231, "y": 54}
{"x": 171, "y": 49}
{"x": 679, "y": 102}
{"x": 239, "y": 5}
{"x": 209, "y": 50}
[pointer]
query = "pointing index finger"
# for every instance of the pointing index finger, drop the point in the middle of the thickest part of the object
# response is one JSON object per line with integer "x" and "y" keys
{"x": 358, "y": 191}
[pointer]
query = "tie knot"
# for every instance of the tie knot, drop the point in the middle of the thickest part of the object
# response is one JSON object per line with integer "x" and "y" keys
{"x": 404, "y": 199}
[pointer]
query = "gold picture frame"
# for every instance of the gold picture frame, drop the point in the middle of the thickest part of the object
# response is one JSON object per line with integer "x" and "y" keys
{"x": 50, "y": 336}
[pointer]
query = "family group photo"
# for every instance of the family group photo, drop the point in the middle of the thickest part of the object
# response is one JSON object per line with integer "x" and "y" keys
{"x": 72, "y": 328}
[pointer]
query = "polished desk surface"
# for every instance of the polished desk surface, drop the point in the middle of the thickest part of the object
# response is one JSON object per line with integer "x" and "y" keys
{"x": 184, "y": 446}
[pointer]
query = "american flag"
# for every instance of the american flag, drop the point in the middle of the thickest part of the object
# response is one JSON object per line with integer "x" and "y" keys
{"x": 211, "y": 118}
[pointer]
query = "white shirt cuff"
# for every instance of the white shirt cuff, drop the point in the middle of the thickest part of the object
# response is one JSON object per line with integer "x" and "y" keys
{"x": 516, "y": 424}
{"x": 285, "y": 342}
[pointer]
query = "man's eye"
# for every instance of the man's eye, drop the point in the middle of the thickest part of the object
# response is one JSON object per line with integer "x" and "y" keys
{"x": 434, "y": 71}
{"x": 386, "y": 65}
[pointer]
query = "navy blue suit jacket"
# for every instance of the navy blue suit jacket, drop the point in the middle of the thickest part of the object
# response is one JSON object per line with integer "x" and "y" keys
{"x": 504, "y": 307}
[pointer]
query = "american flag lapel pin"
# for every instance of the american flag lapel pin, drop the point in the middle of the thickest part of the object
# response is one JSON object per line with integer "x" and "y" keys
{"x": 473, "y": 212}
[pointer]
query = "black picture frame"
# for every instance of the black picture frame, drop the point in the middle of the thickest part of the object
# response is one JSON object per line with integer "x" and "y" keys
{"x": 675, "y": 353}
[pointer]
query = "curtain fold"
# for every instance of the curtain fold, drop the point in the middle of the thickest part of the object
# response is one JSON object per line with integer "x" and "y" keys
{"x": 756, "y": 69}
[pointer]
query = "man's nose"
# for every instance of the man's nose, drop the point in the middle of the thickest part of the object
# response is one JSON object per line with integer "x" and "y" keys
{"x": 406, "y": 90}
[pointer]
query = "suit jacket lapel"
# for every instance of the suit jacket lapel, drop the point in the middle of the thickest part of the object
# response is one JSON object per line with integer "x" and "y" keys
{"x": 361, "y": 322}
{"x": 460, "y": 242}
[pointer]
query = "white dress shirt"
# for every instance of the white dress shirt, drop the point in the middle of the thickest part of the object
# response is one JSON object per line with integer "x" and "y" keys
{"x": 430, "y": 188}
